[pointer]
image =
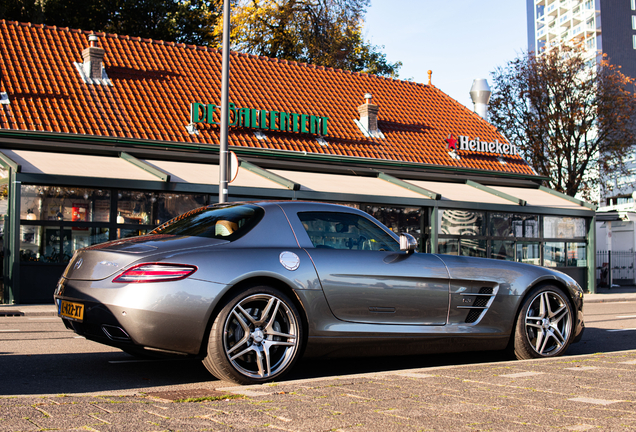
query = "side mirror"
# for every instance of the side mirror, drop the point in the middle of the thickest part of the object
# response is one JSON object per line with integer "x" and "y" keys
{"x": 408, "y": 243}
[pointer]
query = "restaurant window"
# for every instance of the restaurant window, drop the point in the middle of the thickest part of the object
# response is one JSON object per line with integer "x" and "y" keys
{"x": 462, "y": 222}
{"x": 54, "y": 203}
{"x": 448, "y": 246}
{"x": 563, "y": 227}
{"x": 56, "y": 221}
{"x": 529, "y": 253}
{"x": 473, "y": 247}
{"x": 554, "y": 254}
{"x": 503, "y": 250}
{"x": 514, "y": 225}
{"x": 577, "y": 255}
{"x": 399, "y": 220}
{"x": 151, "y": 208}
{"x": 55, "y": 244}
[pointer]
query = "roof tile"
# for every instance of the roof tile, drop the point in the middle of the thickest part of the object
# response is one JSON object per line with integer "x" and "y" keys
{"x": 155, "y": 81}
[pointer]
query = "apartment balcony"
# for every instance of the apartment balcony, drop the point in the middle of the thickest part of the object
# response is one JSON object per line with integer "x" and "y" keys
{"x": 541, "y": 34}
{"x": 540, "y": 2}
{"x": 552, "y": 9}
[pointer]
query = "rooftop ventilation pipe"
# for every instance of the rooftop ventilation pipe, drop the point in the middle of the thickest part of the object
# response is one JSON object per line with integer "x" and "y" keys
{"x": 480, "y": 94}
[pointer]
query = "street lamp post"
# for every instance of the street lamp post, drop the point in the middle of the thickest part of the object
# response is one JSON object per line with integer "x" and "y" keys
{"x": 225, "y": 89}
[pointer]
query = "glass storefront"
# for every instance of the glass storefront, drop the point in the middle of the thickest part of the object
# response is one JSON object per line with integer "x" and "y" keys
{"x": 551, "y": 241}
{"x": 56, "y": 221}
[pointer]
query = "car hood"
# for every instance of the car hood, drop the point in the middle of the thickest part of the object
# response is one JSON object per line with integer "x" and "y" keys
{"x": 105, "y": 259}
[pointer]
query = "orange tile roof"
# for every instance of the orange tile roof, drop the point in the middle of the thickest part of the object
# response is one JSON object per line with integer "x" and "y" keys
{"x": 154, "y": 83}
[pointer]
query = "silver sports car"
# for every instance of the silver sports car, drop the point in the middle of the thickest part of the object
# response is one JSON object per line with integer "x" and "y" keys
{"x": 251, "y": 287}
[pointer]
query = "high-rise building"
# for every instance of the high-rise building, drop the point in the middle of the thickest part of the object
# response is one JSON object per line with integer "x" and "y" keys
{"x": 601, "y": 27}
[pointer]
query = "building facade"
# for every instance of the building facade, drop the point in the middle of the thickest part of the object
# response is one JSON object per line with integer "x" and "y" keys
{"x": 604, "y": 29}
{"x": 104, "y": 137}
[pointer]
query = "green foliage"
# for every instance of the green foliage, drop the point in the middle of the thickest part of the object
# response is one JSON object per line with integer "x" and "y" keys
{"x": 572, "y": 122}
{"x": 186, "y": 21}
{"x": 320, "y": 32}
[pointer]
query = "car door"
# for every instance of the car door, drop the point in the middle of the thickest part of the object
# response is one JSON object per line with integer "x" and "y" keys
{"x": 365, "y": 276}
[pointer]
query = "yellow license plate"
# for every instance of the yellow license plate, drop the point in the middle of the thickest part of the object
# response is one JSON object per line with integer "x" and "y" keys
{"x": 74, "y": 311}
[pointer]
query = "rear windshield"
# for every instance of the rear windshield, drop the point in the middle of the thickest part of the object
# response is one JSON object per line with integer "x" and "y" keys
{"x": 229, "y": 222}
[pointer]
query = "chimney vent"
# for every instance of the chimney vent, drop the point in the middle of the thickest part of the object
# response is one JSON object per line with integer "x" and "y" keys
{"x": 480, "y": 94}
{"x": 93, "y": 57}
{"x": 92, "y": 70}
{"x": 368, "y": 122}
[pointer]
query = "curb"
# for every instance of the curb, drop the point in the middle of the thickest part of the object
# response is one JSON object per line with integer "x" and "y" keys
{"x": 35, "y": 311}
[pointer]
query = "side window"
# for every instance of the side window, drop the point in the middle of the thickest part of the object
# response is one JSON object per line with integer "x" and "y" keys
{"x": 346, "y": 231}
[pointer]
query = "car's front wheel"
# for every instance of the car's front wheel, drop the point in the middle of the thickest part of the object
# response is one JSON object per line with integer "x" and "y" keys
{"x": 544, "y": 325}
{"x": 255, "y": 338}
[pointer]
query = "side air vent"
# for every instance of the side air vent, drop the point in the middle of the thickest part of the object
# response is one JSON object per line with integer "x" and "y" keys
{"x": 477, "y": 303}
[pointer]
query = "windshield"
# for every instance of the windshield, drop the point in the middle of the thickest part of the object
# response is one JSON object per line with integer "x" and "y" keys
{"x": 229, "y": 222}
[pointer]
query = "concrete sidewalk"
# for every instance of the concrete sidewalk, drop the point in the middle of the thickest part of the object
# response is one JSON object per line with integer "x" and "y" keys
{"x": 580, "y": 393}
{"x": 603, "y": 295}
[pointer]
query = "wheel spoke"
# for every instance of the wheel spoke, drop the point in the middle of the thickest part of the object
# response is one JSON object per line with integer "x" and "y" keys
{"x": 558, "y": 336}
{"x": 248, "y": 316}
{"x": 559, "y": 315}
{"x": 267, "y": 359}
{"x": 265, "y": 313}
{"x": 534, "y": 325}
{"x": 248, "y": 349}
{"x": 558, "y": 311}
{"x": 544, "y": 309}
{"x": 275, "y": 333}
{"x": 259, "y": 362}
{"x": 241, "y": 321}
{"x": 281, "y": 343}
{"x": 544, "y": 337}
{"x": 270, "y": 325}
{"x": 540, "y": 338}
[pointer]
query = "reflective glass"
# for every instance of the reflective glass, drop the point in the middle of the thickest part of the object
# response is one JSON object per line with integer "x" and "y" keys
{"x": 150, "y": 208}
{"x": 514, "y": 225}
{"x": 54, "y": 245}
{"x": 64, "y": 203}
{"x": 473, "y": 247}
{"x": 448, "y": 246}
{"x": 554, "y": 254}
{"x": 461, "y": 222}
{"x": 503, "y": 250}
{"x": 529, "y": 253}
{"x": 397, "y": 219}
{"x": 229, "y": 222}
{"x": 329, "y": 230}
{"x": 563, "y": 227}
{"x": 577, "y": 255}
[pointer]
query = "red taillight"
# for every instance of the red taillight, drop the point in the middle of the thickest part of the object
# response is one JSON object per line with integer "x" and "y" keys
{"x": 155, "y": 272}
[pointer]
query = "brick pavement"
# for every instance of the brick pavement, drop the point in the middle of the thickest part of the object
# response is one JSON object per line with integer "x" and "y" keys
{"x": 591, "y": 392}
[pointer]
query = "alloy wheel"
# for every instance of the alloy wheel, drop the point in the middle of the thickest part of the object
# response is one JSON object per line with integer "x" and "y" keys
{"x": 260, "y": 336}
{"x": 548, "y": 323}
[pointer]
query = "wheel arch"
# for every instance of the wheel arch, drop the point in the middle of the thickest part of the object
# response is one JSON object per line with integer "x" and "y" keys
{"x": 249, "y": 283}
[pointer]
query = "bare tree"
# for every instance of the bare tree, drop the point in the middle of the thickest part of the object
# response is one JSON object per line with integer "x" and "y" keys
{"x": 573, "y": 122}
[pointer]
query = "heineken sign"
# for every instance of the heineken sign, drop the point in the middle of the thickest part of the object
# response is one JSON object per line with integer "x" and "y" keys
{"x": 254, "y": 118}
{"x": 476, "y": 145}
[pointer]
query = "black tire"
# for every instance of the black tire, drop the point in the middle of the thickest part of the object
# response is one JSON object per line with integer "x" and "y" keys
{"x": 256, "y": 337}
{"x": 545, "y": 324}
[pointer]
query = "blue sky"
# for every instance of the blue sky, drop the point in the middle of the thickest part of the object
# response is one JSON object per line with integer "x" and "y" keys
{"x": 459, "y": 40}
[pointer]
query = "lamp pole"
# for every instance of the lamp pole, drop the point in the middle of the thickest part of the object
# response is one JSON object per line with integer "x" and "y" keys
{"x": 225, "y": 89}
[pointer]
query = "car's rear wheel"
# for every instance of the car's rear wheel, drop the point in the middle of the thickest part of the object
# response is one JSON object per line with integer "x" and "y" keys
{"x": 255, "y": 338}
{"x": 545, "y": 324}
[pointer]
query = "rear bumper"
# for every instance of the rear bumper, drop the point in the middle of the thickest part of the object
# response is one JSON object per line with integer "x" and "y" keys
{"x": 167, "y": 316}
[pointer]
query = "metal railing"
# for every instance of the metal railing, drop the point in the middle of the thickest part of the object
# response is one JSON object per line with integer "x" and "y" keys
{"x": 615, "y": 267}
